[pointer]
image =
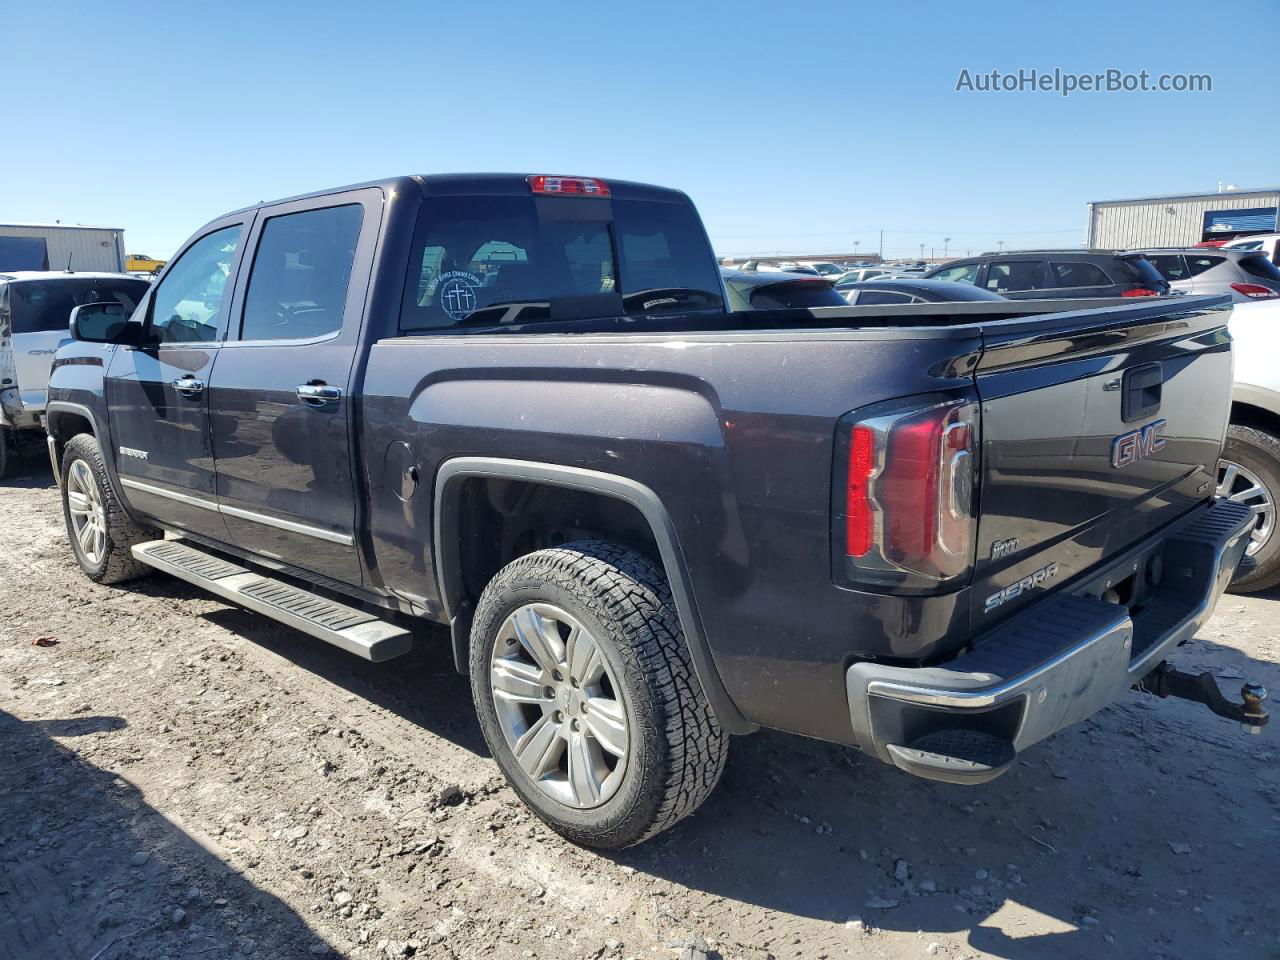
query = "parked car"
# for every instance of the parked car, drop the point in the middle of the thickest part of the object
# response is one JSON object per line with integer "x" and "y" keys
{"x": 1267, "y": 243}
{"x": 35, "y": 310}
{"x": 858, "y": 274}
{"x": 141, "y": 263}
{"x": 1057, "y": 274}
{"x": 778, "y": 266}
{"x": 1249, "y": 471}
{"x": 775, "y": 291}
{"x": 1244, "y": 274}
{"x": 504, "y": 404}
{"x": 824, "y": 268}
{"x": 887, "y": 290}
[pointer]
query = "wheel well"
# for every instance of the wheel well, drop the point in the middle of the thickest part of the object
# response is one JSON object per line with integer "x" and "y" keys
{"x": 1247, "y": 415}
{"x": 64, "y": 425}
{"x": 500, "y": 520}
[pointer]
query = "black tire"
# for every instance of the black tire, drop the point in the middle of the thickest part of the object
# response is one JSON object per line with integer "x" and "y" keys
{"x": 6, "y": 452}
{"x": 676, "y": 749}
{"x": 116, "y": 564}
{"x": 1259, "y": 453}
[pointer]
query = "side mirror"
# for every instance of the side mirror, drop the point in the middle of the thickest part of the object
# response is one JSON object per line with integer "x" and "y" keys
{"x": 104, "y": 323}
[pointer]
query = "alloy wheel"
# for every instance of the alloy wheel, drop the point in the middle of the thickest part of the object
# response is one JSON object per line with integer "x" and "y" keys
{"x": 1239, "y": 483}
{"x": 88, "y": 517}
{"x": 559, "y": 705}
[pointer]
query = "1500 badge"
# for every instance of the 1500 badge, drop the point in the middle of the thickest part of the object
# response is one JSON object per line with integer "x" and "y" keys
{"x": 1029, "y": 582}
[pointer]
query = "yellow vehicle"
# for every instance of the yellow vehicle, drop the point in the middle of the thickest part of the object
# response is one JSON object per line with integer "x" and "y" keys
{"x": 141, "y": 263}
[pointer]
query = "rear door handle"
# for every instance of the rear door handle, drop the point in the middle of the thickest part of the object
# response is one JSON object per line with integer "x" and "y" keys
{"x": 188, "y": 386}
{"x": 318, "y": 394}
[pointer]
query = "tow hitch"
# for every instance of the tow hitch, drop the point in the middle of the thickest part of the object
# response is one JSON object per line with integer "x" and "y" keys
{"x": 1167, "y": 681}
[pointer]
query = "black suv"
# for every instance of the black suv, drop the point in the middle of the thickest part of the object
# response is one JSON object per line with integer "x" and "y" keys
{"x": 1057, "y": 274}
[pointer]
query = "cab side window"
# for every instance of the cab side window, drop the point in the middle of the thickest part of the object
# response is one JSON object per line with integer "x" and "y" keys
{"x": 185, "y": 306}
{"x": 1013, "y": 275}
{"x": 298, "y": 284}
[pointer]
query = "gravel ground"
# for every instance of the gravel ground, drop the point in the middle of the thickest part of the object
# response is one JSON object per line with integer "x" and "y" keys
{"x": 180, "y": 778}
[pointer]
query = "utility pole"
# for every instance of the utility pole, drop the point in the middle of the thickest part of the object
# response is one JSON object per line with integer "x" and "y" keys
{"x": 999, "y": 246}
{"x": 882, "y": 246}
{"x": 922, "y": 251}
{"x": 945, "y": 241}
{"x": 855, "y": 249}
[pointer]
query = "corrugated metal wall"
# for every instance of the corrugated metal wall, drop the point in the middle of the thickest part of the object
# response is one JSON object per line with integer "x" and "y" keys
{"x": 90, "y": 248}
{"x": 1163, "y": 223}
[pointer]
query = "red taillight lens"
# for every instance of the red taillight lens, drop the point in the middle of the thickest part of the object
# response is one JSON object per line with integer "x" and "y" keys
{"x": 859, "y": 523}
{"x": 568, "y": 186}
{"x": 1141, "y": 292}
{"x": 1254, "y": 291}
{"x": 908, "y": 506}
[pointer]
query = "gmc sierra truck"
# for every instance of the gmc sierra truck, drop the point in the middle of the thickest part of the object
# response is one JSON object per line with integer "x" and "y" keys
{"x": 517, "y": 405}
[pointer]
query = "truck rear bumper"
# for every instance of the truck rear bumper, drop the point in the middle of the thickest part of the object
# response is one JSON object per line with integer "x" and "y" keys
{"x": 1052, "y": 665}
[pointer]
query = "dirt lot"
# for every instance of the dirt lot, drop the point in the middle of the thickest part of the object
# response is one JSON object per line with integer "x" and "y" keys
{"x": 179, "y": 778}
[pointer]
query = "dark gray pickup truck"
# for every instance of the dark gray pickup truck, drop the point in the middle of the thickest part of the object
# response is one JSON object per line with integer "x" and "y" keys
{"x": 518, "y": 406}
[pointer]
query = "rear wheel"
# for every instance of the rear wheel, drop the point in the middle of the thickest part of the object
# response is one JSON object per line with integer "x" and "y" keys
{"x": 1249, "y": 473}
{"x": 6, "y": 452}
{"x": 100, "y": 530}
{"x": 587, "y": 697}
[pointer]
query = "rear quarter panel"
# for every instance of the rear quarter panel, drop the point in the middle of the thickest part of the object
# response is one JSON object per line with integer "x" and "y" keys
{"x": 733, "y": 432}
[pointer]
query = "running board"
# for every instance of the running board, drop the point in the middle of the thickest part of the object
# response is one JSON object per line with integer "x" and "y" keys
{"x": 353, "y": 630}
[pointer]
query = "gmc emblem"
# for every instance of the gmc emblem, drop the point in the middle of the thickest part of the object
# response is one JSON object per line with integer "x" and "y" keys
{"x": 1138, "y": 444}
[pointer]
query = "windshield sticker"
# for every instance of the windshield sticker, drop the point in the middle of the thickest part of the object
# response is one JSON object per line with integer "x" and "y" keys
{"x": 457, "y": 293}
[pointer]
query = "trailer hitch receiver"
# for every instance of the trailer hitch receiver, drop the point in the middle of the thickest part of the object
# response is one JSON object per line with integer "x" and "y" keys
{"x": 1167, "y": 681}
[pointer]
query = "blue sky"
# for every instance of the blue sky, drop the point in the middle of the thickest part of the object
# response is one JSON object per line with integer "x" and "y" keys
{"x": 793, "y": 127}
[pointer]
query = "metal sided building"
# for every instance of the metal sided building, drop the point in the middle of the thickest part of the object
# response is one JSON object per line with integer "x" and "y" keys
{"x": 1182, "y": 219}
{"x": 51, "y": 246}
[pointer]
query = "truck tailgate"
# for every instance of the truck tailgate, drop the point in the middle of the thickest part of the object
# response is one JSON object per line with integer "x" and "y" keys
{"x": 1098, "y": 427}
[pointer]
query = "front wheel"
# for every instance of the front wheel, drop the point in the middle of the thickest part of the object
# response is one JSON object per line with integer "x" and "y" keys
{"x": 587, "y": 697}
{"x": 1249, "y": 473}
{"x": 100, "y": 530}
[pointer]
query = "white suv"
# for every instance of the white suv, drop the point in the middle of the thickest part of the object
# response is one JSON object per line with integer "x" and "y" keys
{"x": 1268, "y": 243}
{"x": 1249, "y": 471}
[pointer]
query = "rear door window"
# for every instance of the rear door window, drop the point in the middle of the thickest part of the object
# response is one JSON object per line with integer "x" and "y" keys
{"x": 1078, "y": 274}
{"x": 298, "y": 285}
{"x": 883, "y": 297}
{"x": 1172, "y": 266}
{"x": 1011, "y": 276}
{"x": 1197, "y": 265}
{"x": 484, "y": 260}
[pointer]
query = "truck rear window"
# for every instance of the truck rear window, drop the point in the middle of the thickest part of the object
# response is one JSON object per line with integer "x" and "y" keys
{"x": 37, "y": 306}
{"x": 486, "y": 260}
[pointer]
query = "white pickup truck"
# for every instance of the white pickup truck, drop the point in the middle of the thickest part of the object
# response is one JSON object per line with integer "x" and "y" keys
{"x": 1249, "y": 471}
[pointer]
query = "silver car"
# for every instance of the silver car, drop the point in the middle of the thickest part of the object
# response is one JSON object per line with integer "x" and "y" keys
{"x": 1245, "y": 274}
{"x": 35, "y": 313}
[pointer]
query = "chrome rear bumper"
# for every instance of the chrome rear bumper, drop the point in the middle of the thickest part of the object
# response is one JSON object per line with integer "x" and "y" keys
{"x": 1053, "y": 665}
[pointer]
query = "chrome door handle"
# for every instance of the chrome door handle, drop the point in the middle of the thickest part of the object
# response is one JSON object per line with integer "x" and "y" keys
{"x": 318, "y": 394}
{"x": 188, "y": 386}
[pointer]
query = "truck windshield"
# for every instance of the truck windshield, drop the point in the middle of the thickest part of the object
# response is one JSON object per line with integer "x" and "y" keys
{"x": 45, "y": 305}
{"x": 486, "y": 260}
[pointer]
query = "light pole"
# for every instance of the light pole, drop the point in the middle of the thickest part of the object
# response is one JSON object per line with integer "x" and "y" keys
{"x": 922, "y": 251}
{"x": 855, "y": 248}
{"x": 999, "y": 246}
{"x": 945, "y": 241}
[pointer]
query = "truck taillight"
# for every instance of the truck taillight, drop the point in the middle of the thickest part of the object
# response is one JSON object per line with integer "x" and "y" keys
{"x": 1140, "y": 292}
{"x": 1254, "y": 291}
{"x": 568, "y": 186}
{"x": 909, "y": 478}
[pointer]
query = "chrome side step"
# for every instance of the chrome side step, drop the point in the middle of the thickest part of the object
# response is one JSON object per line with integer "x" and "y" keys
{"x": 353, "y": 630}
